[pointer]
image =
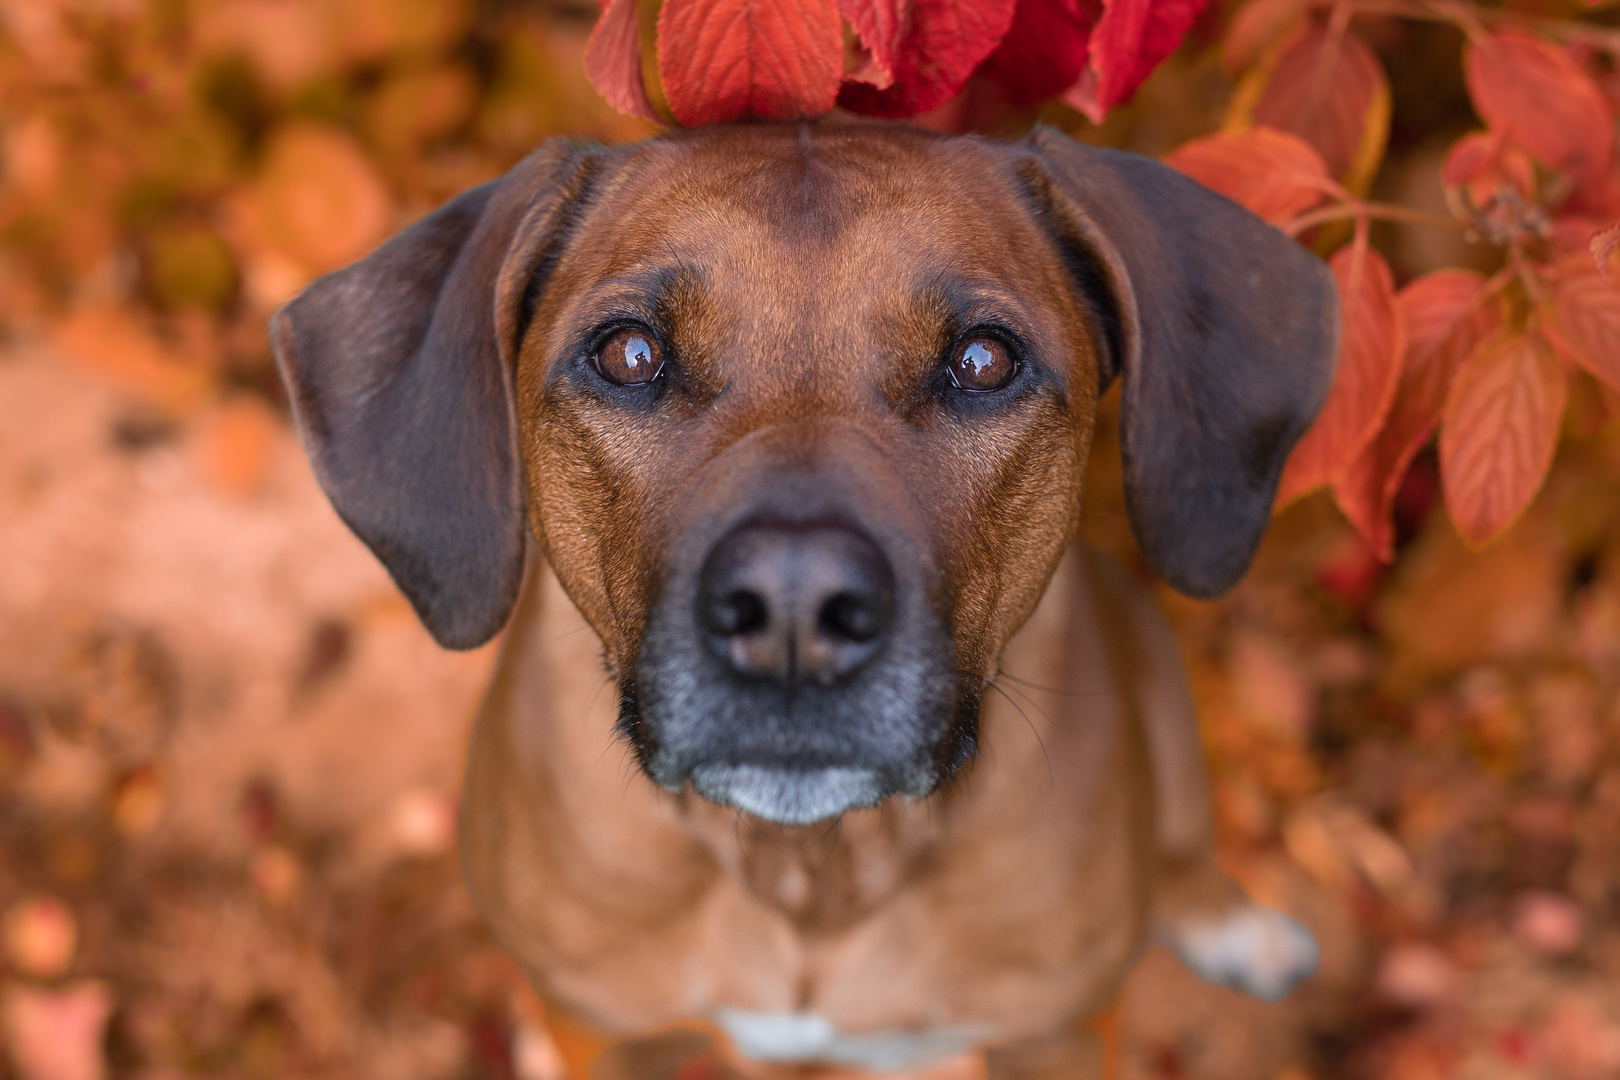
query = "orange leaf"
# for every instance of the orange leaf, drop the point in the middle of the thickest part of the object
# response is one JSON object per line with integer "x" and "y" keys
{"x": 1483, "y": 162}
{"x": 1371, "y": 344}
{"x": 1605, "y": 245}
{"x": 320, "y": 200}
{"x": 1446, "y": 317}
{"x": 1333, "y": 93}
{"x": 1274, "y": 174}
{"x": 115, "y": 345}
{"x": 1534, "y": 92}
{"x": 236, "y": 445}
{"x": 1499, "y": 432}
{"x": 41, "y": 936}
{"x": 613, "y": 59}
{"x": 1586, "y": 325}
{"x": 724, "y": 60}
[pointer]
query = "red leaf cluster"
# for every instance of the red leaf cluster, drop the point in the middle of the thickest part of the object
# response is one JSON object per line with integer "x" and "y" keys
{"x": 1486, "y": 363}
{"x": 723, "y": 60}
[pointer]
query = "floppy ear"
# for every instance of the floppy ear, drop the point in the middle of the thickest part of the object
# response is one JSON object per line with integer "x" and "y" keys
{"x": 1226, "y": 332}
{"x": 399, "y": 370}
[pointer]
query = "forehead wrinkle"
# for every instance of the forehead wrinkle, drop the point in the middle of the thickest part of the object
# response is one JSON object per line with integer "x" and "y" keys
{"x": 977, "y": 301}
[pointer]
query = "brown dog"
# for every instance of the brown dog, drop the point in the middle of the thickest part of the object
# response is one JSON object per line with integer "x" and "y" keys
{"x": 799, "y": 416}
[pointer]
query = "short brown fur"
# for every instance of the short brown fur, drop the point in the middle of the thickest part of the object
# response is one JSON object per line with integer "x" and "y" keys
{"x": 806, "y": 282}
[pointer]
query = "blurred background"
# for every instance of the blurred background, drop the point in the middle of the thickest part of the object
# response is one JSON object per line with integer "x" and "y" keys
{"x": 229, "y": 756}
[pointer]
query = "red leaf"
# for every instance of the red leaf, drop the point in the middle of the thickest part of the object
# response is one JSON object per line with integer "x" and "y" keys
{"x": 1446, "y": 317}
{"x": 1499, "y": 432}
{"x": 613, "y": 59}
{"x": 724, "y": 60}
{"x": 945, "y": 41}
{"x": 1255, "y": 26}
{"x": 1272, "y": 173}
{"x": 1045, "y": 49}
{"x": 1328, "y": 90}
{"x": 1586, "y": 325}
{"x": 1371, "y": 344}
{"x": 1537, "y": 95}
{"x": 1605, "y": 245}
{"x": 1131, "y": 39}
{"x": 879, "y": 25}
{"x": 1484, "y": 163}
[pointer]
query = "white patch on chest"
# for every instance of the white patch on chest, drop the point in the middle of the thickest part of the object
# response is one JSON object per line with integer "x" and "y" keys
{"x": 1254, "y": 949}
{"x": 807, "y": 1038}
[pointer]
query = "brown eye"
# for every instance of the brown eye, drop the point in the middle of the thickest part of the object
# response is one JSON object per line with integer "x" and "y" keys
{"x": 982, "y": 364}
{"x": 630, "y": 358}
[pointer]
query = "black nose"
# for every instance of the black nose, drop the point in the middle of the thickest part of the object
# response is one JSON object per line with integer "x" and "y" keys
{"x": 796, "y": 603}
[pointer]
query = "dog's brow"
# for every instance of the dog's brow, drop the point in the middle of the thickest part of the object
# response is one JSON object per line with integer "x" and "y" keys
{"x": 644, "y": 291}
{"x": 959, "y": 304}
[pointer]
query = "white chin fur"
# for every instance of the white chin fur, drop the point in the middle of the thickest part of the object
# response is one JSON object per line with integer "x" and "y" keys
{"x": 788, "y": 797}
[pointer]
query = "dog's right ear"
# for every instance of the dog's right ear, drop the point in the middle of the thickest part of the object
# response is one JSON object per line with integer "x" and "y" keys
{"x": 399, "y": 371}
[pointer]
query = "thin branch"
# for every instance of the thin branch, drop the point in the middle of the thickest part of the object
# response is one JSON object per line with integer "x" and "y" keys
{"x": 1378, "y": 211}
{"x": 1460, "y": 13}
{"x": 1526, "y": 272}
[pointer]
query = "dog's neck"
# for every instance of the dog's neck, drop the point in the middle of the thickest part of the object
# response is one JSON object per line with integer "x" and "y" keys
{"x": 822, "y": 877}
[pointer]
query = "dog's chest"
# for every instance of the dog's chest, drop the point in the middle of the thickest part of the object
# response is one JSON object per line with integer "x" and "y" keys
{"x": 998, "y": 907}
{"x": 822, "y": 878}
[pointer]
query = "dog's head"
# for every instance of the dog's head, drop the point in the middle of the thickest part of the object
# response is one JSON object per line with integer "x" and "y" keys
{"x": 800, "y": 415}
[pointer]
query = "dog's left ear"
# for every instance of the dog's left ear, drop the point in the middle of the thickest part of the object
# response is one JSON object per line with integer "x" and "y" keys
{"x": 1225, "y": 330}
{"x": 399, "y": 370}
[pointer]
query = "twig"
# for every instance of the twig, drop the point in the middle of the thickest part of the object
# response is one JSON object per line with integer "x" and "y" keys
{"x": 1460, "y": 13}
{"x": 1379, "y": 211}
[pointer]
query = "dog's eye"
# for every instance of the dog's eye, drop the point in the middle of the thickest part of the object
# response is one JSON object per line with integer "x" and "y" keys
{"x": 982, "y": 364}
{"x": 629, "y": 358}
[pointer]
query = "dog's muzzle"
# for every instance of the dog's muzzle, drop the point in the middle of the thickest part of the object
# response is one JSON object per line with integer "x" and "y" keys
{"x": 797, "y": 674}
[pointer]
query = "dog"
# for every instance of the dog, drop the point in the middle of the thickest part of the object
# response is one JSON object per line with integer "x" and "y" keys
{"x": 788, "y": 425}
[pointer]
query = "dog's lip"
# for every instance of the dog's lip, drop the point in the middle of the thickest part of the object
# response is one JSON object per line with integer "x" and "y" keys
{"x": 791, "y": 796}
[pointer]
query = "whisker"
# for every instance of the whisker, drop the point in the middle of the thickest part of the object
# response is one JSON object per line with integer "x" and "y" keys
{"x": 569, "y": 633}
{"x": 1001, "y": 674}
{"x": 1032, "y": 730}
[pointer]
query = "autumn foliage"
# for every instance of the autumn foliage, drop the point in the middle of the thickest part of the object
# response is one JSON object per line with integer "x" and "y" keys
{"x": 724, "y": 60}
{"x": 1488, "y": 362}
{"x": 229, "y": 755}
{"x": 222, "y": 166}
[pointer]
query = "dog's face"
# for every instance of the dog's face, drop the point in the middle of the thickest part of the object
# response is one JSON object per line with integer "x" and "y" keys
{"x": 803, "y": 422}
{"x": 802, "y": 416}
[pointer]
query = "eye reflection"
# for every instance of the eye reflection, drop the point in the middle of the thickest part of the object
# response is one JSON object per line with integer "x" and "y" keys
{"x": 629, "y": 358}
{"x": 982, "y": 364}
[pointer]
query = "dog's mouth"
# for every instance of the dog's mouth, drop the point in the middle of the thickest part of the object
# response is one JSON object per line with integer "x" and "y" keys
{"x": 795, "y": 767}
{"x": 791, "y": 796}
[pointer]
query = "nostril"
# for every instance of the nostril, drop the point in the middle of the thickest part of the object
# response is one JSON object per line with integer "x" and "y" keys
{"x": 795, "y": 602}
{"x": 740, "y": 611}
{"x": 853, "y": 617}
